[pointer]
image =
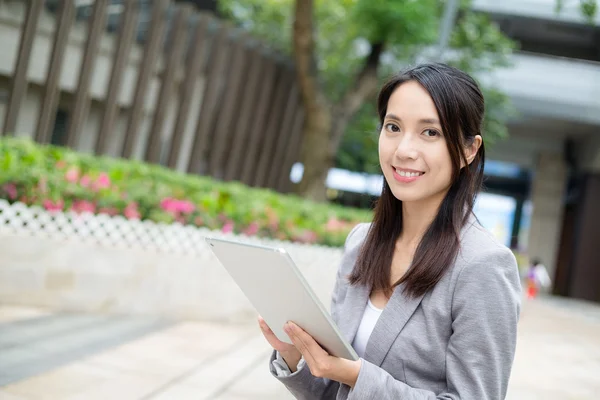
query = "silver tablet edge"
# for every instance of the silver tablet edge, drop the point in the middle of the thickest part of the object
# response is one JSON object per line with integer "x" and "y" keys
{"x": 304, "y": 283}
{"x": 209, "y": 239}
{"x": 322, "y": 308}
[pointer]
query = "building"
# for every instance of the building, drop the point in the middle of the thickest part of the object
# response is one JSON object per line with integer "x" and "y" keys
{"x": 555, "y": 85}
{"x": 550, "y": 164}
{"x": 553, "y": 152}
{"x": 154, "y": 80}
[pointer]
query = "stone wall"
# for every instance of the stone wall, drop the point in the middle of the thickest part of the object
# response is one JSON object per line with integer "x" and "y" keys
{"x": 110, "y": 265}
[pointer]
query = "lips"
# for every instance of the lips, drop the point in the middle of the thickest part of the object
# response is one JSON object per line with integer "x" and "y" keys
{"x": 405, "y": 175}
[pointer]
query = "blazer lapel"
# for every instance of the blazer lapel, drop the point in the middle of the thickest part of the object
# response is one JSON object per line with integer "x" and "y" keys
{"x": 352, "y": 310}
{"x": 394, "y": 317}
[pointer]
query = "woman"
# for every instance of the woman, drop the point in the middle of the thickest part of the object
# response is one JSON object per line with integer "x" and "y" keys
{"x": 427, "y": 297}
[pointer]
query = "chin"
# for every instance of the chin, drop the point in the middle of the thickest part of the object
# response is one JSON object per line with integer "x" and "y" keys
{"x": 407, "y": 196}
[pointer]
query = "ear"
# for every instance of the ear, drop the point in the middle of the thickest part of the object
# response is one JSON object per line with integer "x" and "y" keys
{"x": 471, "y": 151}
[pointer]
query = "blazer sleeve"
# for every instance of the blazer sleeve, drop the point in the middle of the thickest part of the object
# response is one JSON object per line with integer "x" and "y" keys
{"x": 302, "y": 384}
{"x": 485, "y": 311}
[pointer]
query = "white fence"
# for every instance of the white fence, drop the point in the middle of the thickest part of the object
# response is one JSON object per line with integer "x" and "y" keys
{"x": 97, "y": 263}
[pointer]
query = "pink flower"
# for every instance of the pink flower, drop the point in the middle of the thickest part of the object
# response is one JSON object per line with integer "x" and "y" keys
{"x": 186, "y": 206}
{"x": 307, "y": 236}
{"x": 252, "y": 229}
{"x": 52, "y": 206}
{"x": 228, "y": 227}
{"x": 83, "y": 206}
{"x": 167, "y": 204}
{"x": 72, "y": 175}
{"x": 131, "y": 211}
{"x": 175, "y": 206}
{"x": 85, "y": 181}
{"x": 11, "y": 191}
{"x": 103, "y": 181}
{"x": 334, "y": 224}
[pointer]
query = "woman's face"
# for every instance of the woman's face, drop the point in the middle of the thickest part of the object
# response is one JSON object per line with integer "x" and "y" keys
{"x": 413, "y": 153}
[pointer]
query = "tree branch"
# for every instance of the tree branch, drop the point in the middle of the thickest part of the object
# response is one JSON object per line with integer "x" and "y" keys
{"x": 304, "y": 53}
{"x": 365, "y": 85}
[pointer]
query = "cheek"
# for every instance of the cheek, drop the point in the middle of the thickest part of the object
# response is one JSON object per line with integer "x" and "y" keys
{"x": 381, "y": 149}
{"x": 386, "y": 148}
{"x": 443, "y": 165}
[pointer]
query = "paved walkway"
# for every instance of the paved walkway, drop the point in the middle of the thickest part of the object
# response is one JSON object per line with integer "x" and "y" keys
{"x": 67, "y": 356}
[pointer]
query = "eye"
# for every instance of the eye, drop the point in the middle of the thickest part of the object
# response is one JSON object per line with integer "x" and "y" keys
{"x": 431, "y": 133}
{"x": 392, "y": 127}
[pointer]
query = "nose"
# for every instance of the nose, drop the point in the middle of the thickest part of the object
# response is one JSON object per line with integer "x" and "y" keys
{"x": 406, "y": 148}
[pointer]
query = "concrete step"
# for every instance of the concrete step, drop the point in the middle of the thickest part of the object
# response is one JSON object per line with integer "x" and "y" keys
{"x": 33, "y": 346}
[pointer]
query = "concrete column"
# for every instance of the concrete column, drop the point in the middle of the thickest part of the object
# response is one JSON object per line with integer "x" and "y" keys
{"x": 584, "y": 263}
{"x": 516, "y": 227}
{"x": 547, "y": 195}
{"x": 589, "y": 154}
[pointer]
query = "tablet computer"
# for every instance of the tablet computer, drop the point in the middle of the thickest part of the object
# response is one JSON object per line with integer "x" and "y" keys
{"x": 278, "y": 291}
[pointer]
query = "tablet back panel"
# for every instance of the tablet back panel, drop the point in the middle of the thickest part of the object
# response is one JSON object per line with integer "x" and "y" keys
{"x": 278, "y": 291}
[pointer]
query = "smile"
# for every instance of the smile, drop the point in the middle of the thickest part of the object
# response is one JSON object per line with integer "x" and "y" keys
{"x": 407, "y": 175}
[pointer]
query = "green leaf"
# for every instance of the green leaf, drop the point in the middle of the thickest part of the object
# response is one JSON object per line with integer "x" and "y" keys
{"x": 343, "y": 31}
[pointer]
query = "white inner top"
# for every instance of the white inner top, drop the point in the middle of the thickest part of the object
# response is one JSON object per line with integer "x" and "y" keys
{"x": 367, "y": 324}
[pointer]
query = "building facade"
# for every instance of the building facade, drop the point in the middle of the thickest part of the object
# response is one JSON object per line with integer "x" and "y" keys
{"x": 205, "y": 98}
{"x": 555, "y": 85}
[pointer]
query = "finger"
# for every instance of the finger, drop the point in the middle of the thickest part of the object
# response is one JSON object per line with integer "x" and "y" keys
{"x": 317, "y": 359}
{"x": 306, "y": 340}
{"x": 263, "y": 325}
{"x": 295, "y": 341}
{"x": 305, "y": 343}
{"x": 262, "y": 322}
{"x": 269, "y": 335}
{"x": 299, "y": 345}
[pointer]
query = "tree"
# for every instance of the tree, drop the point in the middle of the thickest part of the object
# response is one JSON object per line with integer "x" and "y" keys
{"x": 340, "y": 62}
{"x": 588, "y": 8}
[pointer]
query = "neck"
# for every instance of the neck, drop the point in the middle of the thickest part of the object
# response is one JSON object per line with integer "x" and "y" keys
{"x": 416, "y": 218}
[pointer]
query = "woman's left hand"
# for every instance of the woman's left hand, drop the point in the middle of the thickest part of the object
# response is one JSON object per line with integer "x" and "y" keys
{"x": 320, "y": 363}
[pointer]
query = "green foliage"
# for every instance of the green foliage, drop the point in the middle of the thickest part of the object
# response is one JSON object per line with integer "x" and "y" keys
{"x": 359, "y": 150}
{"x": 268, "y": 20}
{"x": 498, "y": 109}
{"x": 60, "y": 179}
{"x": 335, "y": 33}
{"x": 343, "y": 31}
{"x": 480, "y": 47}
{"x": 406, "y": 22}
{"x": 588, "y": 8}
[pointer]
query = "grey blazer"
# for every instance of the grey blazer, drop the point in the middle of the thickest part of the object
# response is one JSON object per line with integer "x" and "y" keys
{"x": 455, "y": 342}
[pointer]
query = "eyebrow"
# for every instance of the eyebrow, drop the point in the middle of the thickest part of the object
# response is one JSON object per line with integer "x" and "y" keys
{"x": 422, "y": 121}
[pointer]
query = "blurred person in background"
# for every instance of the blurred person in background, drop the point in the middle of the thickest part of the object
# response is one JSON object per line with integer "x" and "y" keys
{"x": 536, "y": 278}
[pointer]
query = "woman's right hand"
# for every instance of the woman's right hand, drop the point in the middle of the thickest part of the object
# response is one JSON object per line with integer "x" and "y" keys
{"x": 290, "y": 354}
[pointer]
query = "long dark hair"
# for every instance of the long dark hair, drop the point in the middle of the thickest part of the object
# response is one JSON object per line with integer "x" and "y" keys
{"x": 460, "y": 107}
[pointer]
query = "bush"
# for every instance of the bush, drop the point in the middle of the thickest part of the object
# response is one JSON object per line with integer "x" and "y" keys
{"x": 59, "y": 179}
